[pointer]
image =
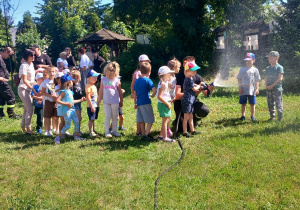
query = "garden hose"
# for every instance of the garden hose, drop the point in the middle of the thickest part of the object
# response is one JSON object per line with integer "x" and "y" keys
{"x": 167, "y": 170}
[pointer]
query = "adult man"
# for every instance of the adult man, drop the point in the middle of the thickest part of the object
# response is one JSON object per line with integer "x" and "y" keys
{"x": 41, "y": 60}
{"x": 6, "y": 94}
{"x": 200, "y": 109}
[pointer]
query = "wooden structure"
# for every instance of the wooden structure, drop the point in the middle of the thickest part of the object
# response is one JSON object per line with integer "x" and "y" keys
{"x": 116, "y": 42}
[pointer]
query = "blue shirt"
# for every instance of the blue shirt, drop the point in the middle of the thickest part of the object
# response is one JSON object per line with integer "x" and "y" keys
{"x": 67, "y": 99}
{"x": 142, "y": 87}
{"x": 36, "y": 102}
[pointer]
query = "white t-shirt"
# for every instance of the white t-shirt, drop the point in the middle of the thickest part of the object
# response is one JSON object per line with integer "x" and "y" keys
{"x": 85, "y": 61}
{"x": 50, "y": 87}
{"x": 28, "y": 70}
{"x": 64, "y": 61}
{"x": 165, "y": 94}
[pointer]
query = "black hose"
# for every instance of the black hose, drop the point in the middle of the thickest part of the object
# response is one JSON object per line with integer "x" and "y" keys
{"x": 164, "y": 172}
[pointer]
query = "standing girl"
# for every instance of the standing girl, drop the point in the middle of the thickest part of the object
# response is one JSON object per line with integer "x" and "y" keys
{"x": 189, "y": 97}
{"x": 66, "y": 100}
{"x": 111, "y": 93}
{"x": 164, "y": 102}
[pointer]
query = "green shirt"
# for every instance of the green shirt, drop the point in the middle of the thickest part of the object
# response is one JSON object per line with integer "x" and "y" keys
{"x": 272, "y": 76}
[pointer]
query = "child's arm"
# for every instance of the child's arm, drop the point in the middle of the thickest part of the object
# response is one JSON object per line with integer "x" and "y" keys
{"x": 270, "y": 87}
{"x": 120, "y": 95}
{"x": 159, "y": 96}
{"x": 38, "y": 98}
{"x": 134, "y": 98}
{"x": 257, "y": 87}
{"x": 240, "y": 86}
{"x": 58, "y": 100}
{"x": 132, "y": 85}
{"x": 43, "y": 93}
{"x": 89, "y": 100}
{"x": 79, "y": 100}
{"x": 196, "y": 88}
{"x": 153, "y": 92}
{"x": 100, "y": 95}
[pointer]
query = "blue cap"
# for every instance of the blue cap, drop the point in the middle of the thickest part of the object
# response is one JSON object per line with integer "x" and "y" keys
{"x": 249, "y": 57}
{"x": 66, "y": 78}
{"x": 92, "y": 73}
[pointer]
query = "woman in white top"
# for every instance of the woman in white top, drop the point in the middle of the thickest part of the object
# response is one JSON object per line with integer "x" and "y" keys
{"x": 85, "y": 65}
{"x": 27, "y": 75}
{"x": 62, "y": 63}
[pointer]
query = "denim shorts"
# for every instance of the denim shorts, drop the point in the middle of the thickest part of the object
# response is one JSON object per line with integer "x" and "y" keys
{"x": 77, "y": 106}
{"x": 93, "y": 115}
{"x": 251, "y": 99}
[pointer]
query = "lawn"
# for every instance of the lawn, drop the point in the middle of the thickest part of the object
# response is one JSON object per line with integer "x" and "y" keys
{"x": 232, "y": 165}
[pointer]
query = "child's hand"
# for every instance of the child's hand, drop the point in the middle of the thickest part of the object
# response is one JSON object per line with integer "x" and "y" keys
{"x": 240, "y": 91}
{"x": 93, "y": 110}
{"x": 169, "y": 106}
{"x": 152, "y": 95}
{"x": 132, "y": 96}
{"x": 70, "y": 105}
{"x": 135, "y": 106}
{"x": 121, "y": 104}
{"x": 35, "y": 93}
{"x": 83, "y": 99}
{"x": 256, "y": 92}
{"x": 269, "y": 87}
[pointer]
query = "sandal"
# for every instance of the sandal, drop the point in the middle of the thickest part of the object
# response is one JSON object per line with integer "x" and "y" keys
{"x": 169, "y": 140}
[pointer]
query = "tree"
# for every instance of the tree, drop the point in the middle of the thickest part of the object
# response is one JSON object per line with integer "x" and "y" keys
{"x": 66, "y": 21}
{"x": 26, "y": 24}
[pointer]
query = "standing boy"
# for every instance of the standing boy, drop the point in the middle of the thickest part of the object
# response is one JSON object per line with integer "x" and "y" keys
{"x": 142, "y": 101}
{"x": 273, "y": 80}
{"x": 38, "y": 103}
{"x": 91, "y": 98}
{"x": 49, "y": 96}
{"x": 248, "y": 79}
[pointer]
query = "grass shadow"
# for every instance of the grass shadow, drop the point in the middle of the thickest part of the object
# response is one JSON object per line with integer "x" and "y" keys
{"x": 231, "y": 122}
{"x": 119, "y": 143}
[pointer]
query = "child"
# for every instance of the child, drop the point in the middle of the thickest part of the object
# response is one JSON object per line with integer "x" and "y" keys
{"x": 91, "y": 97}
{"x": 273, "y": 80}
{"x": 248, "y": 80}
{"x": 38, "y": 103}
{"x": 174, "y": 65}
{"x": 75, "y": 74}
{"x": 142, "y": 101}
{"x": 135, "y": 76}
{"x": 189, "y": 98}
{"x": 121, "y": 115}
{"x": 111, "y": 93}
{"x": 164, "y": 102}
{"x": 66, "y": 100}
{"x": 60, "y": 115}
{"x": 49, "y": 97}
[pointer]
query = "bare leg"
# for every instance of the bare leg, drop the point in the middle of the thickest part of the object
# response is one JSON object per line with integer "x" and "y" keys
{"x": 252, "y": 107}
{"x": 191, "y": 122}
{"x": 243, "y": 109}
{"x": 149, "y": 125}
{"x": 184, "y": 122}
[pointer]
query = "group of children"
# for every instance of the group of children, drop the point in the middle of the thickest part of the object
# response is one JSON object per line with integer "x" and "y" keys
{"x": 59, "y": 97}
{"x": 248, "y": 80}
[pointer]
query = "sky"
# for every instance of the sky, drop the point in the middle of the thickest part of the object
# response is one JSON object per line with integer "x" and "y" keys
{"x": 29, "y": 5}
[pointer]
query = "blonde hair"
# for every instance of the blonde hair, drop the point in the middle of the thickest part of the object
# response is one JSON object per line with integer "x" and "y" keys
{"x": 75, "y": 73}
{"x": 113, "y": 66}
{"x": 63, "y": 54}
{"x": 50, "y": 67}
{"x": 173, "y": 64}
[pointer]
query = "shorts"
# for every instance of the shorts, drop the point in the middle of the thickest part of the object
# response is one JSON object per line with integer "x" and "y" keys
{"x": 163, "y": 110}
{"x": 59, "y": 111}
{"x": 144, "y": 113}
{"x": 251, "y": 99}
{"x": 120, "y": 111}
{"x": 49, "y": 110}
{"x": 93, "y": 116}
{"x": 77, "y": 106}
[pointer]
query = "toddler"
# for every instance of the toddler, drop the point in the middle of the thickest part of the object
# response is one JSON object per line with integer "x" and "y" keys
{"x": 38, "y": 103}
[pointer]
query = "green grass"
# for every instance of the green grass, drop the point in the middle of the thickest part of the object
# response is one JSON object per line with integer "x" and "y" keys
{"x": 232, "y": 165}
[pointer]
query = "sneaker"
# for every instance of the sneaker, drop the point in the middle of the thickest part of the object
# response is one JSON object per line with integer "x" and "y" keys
{"x": 150, "y": 138}
{"x": 78, "y": 138}
{"x": 196, "y": 133}
{"x": 56, "y": 132}
{"x": 48, "y": 133}
{"x": 115, "y": 133}
{"x": 160, "y": 138}
{"x": 169, "y": 132}
{"x": 57, "y": 140}
{"x": 187, "y": 135}
{"x": 110, "y": 130}
{"x": 139, "y": 134}
{"x": 108, "y": 135}
{"x": 67, "y": 133}
{"x": 271, "y": 119}
{"x": 169, "y": 140}
{"x": 144, "y": 138}
{"x": 253, "y": 119}
{"x": 39, "y": 131}
{"x": 243, "y": 118}
{"x": 122, "y": 128}
{"x": 92, "y": 134}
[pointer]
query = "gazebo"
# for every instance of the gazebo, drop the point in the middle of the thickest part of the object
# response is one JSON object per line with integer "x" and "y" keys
{"x": 116, "y": 42}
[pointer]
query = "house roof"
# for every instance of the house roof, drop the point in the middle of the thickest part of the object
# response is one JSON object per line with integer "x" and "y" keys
{"x": 104, "y": 36}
